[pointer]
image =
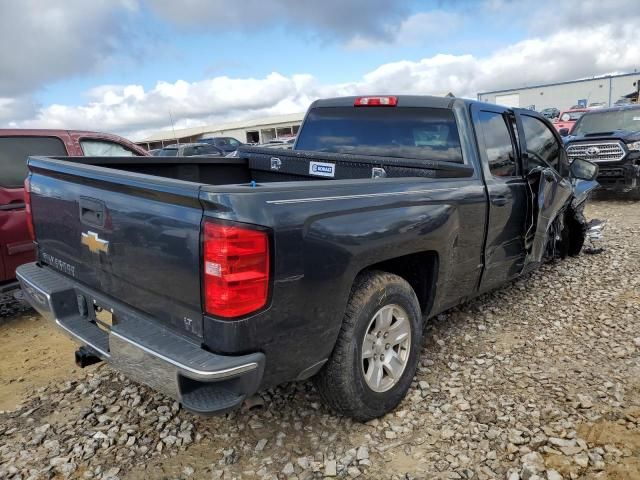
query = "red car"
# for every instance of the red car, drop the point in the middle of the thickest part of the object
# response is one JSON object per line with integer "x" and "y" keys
{"x": 16, "y": 246}
{"x": 568, "y": 118}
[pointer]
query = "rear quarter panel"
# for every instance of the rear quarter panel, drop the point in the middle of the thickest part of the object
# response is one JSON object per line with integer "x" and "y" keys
{"x": 323, "y": 237}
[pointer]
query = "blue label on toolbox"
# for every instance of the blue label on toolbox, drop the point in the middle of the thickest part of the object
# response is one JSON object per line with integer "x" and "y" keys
{"x": 322, "y": 169}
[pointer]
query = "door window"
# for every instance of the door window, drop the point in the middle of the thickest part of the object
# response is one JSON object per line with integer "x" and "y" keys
{"x": 104, "y": 148}
{"x": 14, "y": 152}
{"x": 501, "y": 156}
{"x": 543, "y": 148}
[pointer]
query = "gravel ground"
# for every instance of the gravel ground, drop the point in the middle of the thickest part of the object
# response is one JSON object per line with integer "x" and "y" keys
{"x": 539, "y": 380}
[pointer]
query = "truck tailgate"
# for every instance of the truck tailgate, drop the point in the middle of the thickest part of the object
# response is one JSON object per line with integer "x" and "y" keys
{"x": 132, "y": 237}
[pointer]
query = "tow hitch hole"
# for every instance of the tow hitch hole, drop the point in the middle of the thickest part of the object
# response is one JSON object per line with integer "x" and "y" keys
{"x": 85, "y": 357}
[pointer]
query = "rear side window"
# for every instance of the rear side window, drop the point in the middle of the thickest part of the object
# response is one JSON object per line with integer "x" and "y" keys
{"x": 14, "y": 152}
{"x": 104, "y": 148}
{"x": 418, "y": 133}
{"x": 498, "y": 145}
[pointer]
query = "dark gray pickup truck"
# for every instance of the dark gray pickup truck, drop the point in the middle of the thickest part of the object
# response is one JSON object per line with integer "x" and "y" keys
{"x": 211, "y": 278}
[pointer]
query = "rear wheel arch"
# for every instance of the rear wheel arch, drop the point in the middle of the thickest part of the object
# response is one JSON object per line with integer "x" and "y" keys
{"x": 420, "y": 270}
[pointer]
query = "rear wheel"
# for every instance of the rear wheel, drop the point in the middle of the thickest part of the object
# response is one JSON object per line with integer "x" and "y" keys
{"x": 375, "y": 357}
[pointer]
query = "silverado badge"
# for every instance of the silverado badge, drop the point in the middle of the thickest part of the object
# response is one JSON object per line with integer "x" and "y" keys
{"x": 95, "y": 243}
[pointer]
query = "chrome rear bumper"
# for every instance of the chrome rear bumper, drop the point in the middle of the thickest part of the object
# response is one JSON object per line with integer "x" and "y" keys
{"x": 142, "y": 348}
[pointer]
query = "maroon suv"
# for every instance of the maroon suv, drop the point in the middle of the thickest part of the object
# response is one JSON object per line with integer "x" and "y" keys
{"x": 16, "y": 246}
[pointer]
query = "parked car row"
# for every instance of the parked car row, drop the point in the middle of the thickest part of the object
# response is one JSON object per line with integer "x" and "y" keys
{"x": 282, "y": 143}
{"x": 188, "y": 150}
{"x": 217, "y": 146}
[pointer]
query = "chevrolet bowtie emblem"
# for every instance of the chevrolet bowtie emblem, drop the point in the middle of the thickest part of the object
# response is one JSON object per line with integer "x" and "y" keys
{"x": 95, "y": 243}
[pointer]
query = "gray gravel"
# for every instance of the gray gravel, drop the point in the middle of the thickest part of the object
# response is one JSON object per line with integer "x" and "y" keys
{"x": 539, "y": 380}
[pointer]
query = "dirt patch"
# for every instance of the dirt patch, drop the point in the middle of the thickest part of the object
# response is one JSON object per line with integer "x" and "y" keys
{"x": 201, "y": 458}
{"x": 627, "y": 469}
{"x": 610, "y": 433}
{"x": 400, "y": 462}
{"x": 34, "y": 354}
{"x": 561, "y": 464}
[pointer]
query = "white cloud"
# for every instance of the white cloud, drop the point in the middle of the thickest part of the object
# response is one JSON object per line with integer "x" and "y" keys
{"x": 131, "y": 108}
{"x": 44, "y": 41}
{"x": 415, "y": 29}
{"x": 345, "y": 19}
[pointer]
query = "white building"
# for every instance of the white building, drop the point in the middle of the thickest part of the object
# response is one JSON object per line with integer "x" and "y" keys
{"x": 603, "y": 90}
{"x": 259, "y": 130}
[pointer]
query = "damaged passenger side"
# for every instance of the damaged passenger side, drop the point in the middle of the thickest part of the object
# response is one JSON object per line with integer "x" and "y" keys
{"x": 556, "y": 224}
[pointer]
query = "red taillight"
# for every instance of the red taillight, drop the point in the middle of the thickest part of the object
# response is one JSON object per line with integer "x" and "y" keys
{"x": 27, "y": 207}
{"x": 235, "y": 270}
{"x": 376, "y": 102}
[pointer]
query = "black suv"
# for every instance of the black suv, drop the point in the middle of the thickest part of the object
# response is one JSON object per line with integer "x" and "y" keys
{"x": 610, "y": 137}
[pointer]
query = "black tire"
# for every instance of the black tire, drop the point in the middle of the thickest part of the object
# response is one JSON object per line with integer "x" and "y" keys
{"x": 341, "y": 382}
{"x": 634, "y": 194}
{"x": 576, "y": 233}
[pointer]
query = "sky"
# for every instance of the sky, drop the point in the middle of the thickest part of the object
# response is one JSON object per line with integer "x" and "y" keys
{"x": 129, "y": 66}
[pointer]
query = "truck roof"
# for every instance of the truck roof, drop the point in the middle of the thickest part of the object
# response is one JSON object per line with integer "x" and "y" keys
{"x": 427, "y": 101}
{"x": 51, "y": 132}
{"x": 424, "y": 101}
{"x": 75, "y": 135}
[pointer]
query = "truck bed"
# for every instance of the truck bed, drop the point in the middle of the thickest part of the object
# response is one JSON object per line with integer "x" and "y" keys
{"x": 266, "y": 165}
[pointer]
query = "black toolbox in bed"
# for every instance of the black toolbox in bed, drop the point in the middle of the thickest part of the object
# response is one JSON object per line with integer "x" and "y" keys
{"x": 271, "y": 164}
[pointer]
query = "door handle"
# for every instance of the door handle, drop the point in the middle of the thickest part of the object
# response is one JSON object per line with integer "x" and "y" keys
{"x": 15, "y": 205}
{"x": 499, "y": 200}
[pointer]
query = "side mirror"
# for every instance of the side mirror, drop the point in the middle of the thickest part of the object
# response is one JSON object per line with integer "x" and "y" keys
{"x": 583, "y": 169}
{"x": 563, "y": 132}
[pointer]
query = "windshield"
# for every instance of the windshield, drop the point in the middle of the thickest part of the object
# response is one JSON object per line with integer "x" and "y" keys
{"x": 420, "y": 133}
{"x": 571, "y": 116}
{"x": 597, "y": 122}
